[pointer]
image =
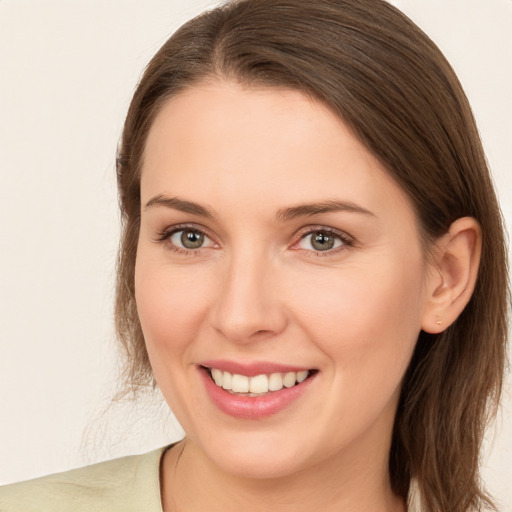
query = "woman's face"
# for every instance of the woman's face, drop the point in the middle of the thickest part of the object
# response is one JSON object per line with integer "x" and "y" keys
{"x": 275, "y": 248}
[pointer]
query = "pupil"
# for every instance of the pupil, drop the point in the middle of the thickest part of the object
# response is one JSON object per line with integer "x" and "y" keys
{"x": 192, "y": 239}
{"x": 322, "y": 242}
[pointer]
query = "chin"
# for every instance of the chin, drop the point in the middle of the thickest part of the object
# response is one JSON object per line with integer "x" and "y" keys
{"x": 253, "y": 456}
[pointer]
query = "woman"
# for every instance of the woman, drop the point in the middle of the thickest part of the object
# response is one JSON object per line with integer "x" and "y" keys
{"x": 312, "y": 270}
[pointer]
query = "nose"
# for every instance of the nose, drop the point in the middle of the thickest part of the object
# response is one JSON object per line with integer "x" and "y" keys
{"x": 249, "y": 305}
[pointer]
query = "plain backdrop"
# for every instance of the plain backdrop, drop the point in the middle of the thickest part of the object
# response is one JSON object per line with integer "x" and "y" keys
{"x": 68, "y": 69}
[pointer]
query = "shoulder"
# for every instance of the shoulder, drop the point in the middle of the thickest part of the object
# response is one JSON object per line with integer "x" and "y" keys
{"x": 125, "y": 484}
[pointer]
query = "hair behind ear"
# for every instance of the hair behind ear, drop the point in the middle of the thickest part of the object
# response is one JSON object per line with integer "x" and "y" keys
{"x": 453, "y": 384}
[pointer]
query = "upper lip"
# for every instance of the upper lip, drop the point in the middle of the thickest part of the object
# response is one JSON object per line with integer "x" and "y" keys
{"x": 251, "y": 369}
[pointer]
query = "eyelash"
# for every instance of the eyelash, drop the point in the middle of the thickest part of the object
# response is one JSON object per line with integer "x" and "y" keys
{"x": 165, "y": 235}
{"x": 346, "y": 240}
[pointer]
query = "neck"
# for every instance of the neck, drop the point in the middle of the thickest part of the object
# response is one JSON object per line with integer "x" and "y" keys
{"x": 191, "y": 482}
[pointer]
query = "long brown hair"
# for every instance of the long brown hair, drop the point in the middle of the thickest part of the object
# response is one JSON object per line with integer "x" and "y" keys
{"x": 390, "y": 83}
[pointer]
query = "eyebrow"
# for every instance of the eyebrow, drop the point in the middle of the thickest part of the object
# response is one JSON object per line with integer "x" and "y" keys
{"x": 303, "y": 210}
{"x": 181, "y": 205}
{"x": 310, "y": 209}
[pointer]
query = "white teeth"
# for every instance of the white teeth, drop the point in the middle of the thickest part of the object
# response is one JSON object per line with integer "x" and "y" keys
{"x": 259, "y": 384}
{"x": 240, "y": 383}
{"x": 289, "y": 379}
{"x": 302, "y": 376}
{"x": 226, "y": 380}
{"x": 217, "y": 376}
{"x": 275, "y": 382}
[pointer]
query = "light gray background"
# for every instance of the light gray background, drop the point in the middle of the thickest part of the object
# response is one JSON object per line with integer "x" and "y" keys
{"x": 67, "y": 72}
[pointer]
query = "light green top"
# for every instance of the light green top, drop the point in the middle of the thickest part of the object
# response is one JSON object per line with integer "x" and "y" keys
{"x": 120, "y": 485}
{"x": 128, "y": 484}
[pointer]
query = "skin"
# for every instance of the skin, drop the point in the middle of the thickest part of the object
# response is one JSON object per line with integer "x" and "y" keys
{"x": 257, "y": 290}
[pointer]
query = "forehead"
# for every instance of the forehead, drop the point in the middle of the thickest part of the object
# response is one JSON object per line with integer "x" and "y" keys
{"x": 224, "y": 114}
{"x": 226, "y": 143}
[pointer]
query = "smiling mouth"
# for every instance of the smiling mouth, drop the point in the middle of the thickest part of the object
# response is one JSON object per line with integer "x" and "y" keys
{"x": 258, "y": 385}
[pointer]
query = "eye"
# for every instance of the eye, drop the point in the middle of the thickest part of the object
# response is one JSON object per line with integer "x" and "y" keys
{"x": 188, "y": 239}
{"x": 322, "y": 240}
{"x": 183, "y": 238}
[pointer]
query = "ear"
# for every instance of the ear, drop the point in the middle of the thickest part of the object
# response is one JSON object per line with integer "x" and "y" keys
{"x": 452, "y": 274}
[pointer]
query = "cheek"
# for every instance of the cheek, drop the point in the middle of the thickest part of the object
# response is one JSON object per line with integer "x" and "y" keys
{"x": 168, "y": 305}
{"x": 171, "y": 316}
{"x": 366, "y": 319}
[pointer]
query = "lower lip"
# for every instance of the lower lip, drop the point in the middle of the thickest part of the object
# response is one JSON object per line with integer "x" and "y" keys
{"x": 253, "y": 407}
